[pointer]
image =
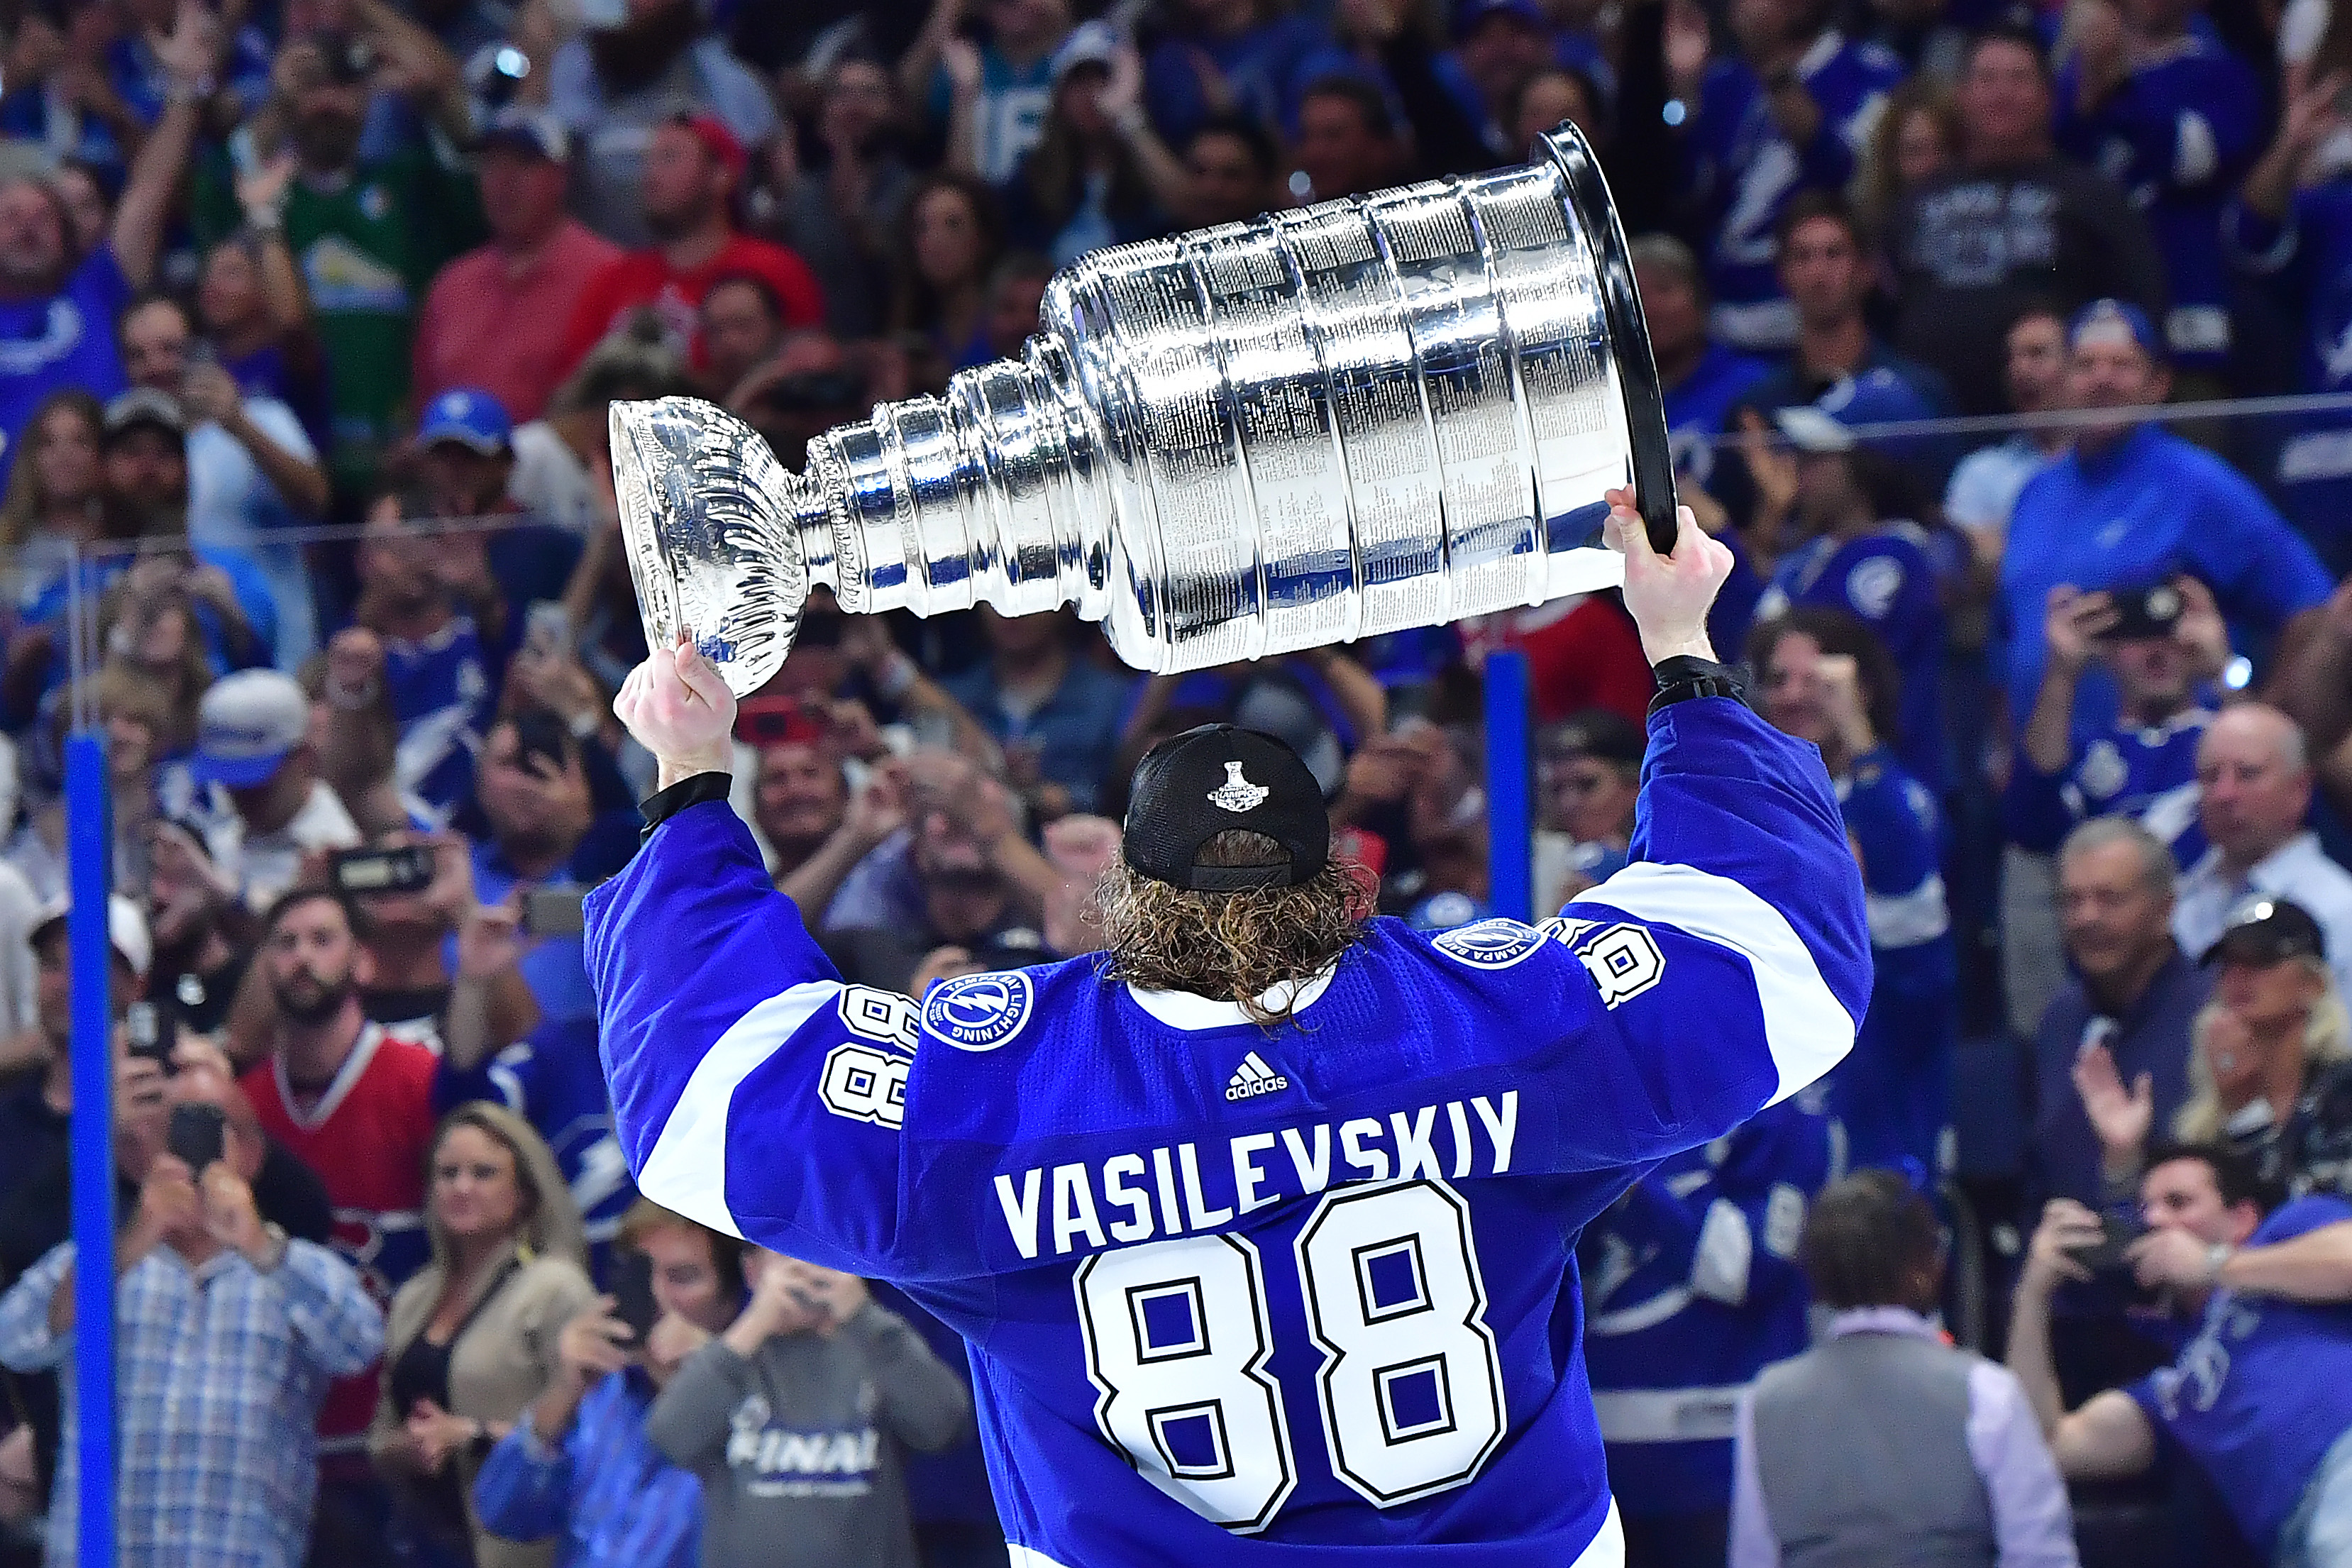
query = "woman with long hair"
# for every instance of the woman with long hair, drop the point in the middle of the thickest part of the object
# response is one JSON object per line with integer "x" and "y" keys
{"x": 1098, "y": 175}
{"x": 56, "y": 495}
{"x": 954, "y": 233}
{"x": 471, "y": 1341}
{"x": 1917, "y": 134}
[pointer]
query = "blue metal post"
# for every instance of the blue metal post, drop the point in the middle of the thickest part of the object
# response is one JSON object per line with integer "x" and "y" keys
{"x": 1510, "y": 816}
{"x": 89, "y": 856}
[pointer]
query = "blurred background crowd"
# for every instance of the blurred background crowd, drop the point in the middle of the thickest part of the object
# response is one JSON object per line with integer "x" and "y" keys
{"x": 311, "y": 314}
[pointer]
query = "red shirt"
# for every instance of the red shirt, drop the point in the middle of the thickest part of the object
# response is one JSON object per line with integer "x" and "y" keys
{"x": 487, "y": 325}
{"x": 1582, "y": 652}
{"x": 646, "y": 278}
{"x": 367, "y": 1137}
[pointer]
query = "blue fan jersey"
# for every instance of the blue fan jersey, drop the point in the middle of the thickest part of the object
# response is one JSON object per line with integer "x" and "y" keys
{"x": 1894, "y": 1094}
{"x": 440, "y": 696}
{"x": 2310, "y": 259}
{"x": 2145, "y": 773}
{"x": 2177, "y": 134}
{"x": 1888, "y": 582}
{"x": 2252, "y": 1397}
{"x": 1700, "y": 405}
{"x": 1742, "y": 173}
{"x": 554, "y": 1080}
{"x": 1691, "y": 1287}
{"x": 1236, "y": 1294}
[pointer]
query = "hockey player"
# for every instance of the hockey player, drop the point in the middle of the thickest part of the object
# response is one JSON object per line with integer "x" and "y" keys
{"x": 1692, "y": 1287}
{"x": 1260, "y": 1225}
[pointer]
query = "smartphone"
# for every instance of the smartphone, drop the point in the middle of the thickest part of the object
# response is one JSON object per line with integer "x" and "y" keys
{"x": 407, "y": 869}
{"x": 197, "y": 1134}
{"x": 546, "y": 628}
{"x": 2149, "y": 612}
{"x": 2106, "y": 1254}
{"x": 540, "y": 734}
{"x": 773, "y": 721}
{"x": 633, "y": 1293}
{"x": 554, "y": 911}
{"x": 155, "y": 1033}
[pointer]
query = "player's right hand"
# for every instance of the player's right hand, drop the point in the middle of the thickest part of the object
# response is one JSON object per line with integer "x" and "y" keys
{"x": 1668, "y": 595}
{"x": 678, "y": 707}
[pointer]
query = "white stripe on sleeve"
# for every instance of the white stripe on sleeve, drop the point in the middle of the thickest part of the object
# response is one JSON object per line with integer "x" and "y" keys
{"x": 1806, "y": 1028}
{"x": 687, "y": 1172}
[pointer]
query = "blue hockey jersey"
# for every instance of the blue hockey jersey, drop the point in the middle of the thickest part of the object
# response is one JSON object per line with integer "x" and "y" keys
{"x": 1234, "y": 1294}
{"x": 1894, "y": 1094}
{"x": 2177, "y": 135}
{"x": 2145, "y": 773}
{"x": 1741, "y": 171}
{"x": 440, "y": 694}
{"x": 2309, "y": 258}
{"x": 553, "y": 1079}
{"x": 1700, "y": 405}
{"x": 1888, "y": 582}
{"x": 1691, "y": 1287}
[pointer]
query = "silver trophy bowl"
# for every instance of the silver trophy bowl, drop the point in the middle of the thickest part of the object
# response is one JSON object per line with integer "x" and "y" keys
{"x": 1389, "y": 411}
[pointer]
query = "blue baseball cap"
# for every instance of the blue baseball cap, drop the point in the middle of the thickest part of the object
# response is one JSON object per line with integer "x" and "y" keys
{"x": 531, "y": 131}
{"x": 1475, "y": 13}
{"x": 1874, "y": 398}
{"x": 469, "y": 416}
{"x": 2107, "y": 318}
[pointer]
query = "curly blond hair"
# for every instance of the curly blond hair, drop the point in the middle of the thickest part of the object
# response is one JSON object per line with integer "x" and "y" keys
{"x": 1231, "y": 947}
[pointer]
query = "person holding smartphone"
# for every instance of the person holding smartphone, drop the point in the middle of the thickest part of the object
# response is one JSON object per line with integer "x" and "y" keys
{"x": 230, "y": 1332}
{"x": 796, "y": 1418}
{"x": 578, "y": 1465}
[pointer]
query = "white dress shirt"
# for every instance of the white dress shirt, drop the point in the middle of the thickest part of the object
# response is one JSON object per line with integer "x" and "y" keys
{"x": 2297, "y": 870}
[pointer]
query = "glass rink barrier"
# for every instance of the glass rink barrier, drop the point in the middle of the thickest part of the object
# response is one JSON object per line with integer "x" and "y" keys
{"x": 1941, "y": 539}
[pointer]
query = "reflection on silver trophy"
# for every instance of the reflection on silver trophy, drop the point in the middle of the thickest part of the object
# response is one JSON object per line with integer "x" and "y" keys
{"x": 1385, "y": 412}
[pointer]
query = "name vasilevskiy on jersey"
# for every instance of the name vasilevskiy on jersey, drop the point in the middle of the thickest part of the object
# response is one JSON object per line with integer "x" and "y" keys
{"x": 1066, "y": 1206}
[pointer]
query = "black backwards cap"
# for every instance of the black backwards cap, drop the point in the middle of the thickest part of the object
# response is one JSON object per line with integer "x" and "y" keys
{"x": 1219, "y": 779}
{"x": 2265, "y": 932}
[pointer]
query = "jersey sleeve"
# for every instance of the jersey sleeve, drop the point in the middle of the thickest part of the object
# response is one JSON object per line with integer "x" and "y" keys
{"x": 752, "y": 1090}
{"x": 2033, "y": 809}
{"x": 1724, "y": 969}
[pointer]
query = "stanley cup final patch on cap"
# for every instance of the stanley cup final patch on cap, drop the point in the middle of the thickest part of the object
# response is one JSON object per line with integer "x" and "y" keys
{"x": 1238, "y": 793}
{"x": 1217, "y": 779}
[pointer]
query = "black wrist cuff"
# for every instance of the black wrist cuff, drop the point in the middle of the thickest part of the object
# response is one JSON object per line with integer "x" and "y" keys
{"x": 662, "y": 804}
{"x": 1683, "y": 677}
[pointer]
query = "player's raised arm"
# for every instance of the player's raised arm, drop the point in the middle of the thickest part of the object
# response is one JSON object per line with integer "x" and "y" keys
{"x": 1728, "y": 966}
{"x": 752, "y": 1090}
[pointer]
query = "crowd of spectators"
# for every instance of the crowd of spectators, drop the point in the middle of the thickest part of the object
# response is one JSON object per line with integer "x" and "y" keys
{"x": 311, "y": 315}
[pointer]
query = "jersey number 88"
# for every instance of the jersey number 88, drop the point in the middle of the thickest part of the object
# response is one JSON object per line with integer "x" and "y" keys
{"x": 1178, "y": 1338}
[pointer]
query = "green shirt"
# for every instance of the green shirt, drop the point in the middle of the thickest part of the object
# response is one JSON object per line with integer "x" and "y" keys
{"x": 368, "y": 247}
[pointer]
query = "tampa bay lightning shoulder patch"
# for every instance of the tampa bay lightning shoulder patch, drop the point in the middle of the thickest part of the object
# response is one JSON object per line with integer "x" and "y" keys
{"x": 979, "y": 1011}
{"x": 1495, "y": 943}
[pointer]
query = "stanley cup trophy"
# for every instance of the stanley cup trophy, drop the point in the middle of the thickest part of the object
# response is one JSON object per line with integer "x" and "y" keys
{"x": 1389, "y": 411}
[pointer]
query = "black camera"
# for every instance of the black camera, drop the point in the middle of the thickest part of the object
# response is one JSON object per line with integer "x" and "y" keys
{"x": 2147, "y": 612}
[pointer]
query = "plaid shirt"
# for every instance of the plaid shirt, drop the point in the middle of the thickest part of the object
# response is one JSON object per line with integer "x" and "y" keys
{"x": 219, "y": 1373}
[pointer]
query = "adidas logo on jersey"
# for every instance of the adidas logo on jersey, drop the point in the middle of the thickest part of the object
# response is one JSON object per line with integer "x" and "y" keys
{"x": 1254, "y": 1077}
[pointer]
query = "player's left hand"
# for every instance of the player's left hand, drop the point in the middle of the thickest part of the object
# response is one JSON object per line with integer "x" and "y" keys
{"x": 1668, "y": 595}
{"x": 678, "y": 707}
